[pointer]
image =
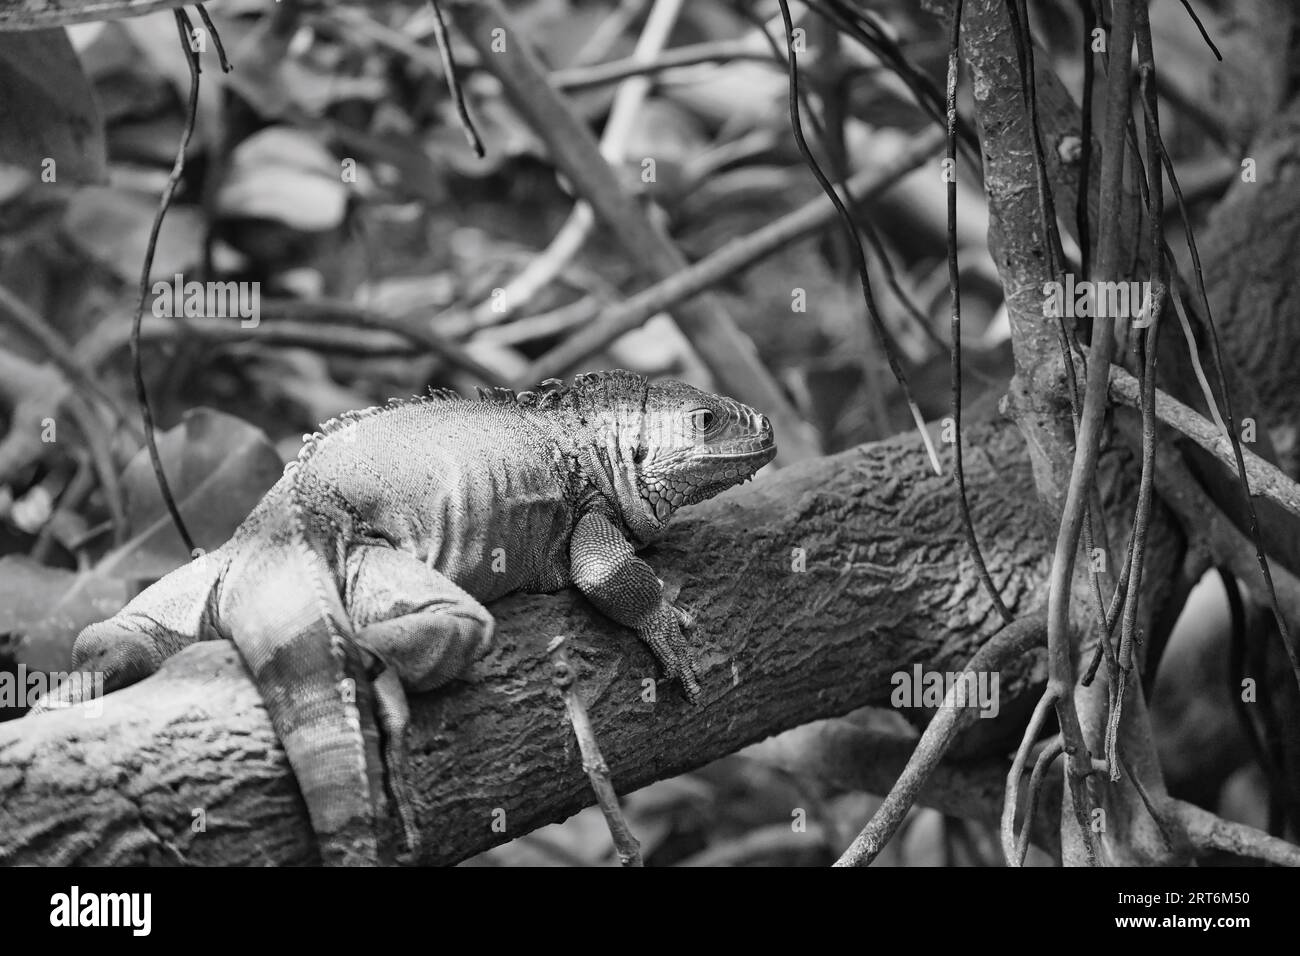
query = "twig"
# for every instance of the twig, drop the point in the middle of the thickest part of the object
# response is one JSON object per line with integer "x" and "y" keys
{"x": 1011, "y": 794}
{"x": 1205, "y": 35}
{"x": 529, "y": 328}
{"x": 1193, "y": 353}
{"x": 629, "y": 850}
{"x": 1110, "y": 614}
{"x": 453, "y": 81}
{"x": 339, "y": 339}
{"x": 736, "y": 255}
{"x": 216, "y": 38}
{"x": 1109, "y": 618}
{"x": 1266, "y": 479}
{"x": 1046, "y": 757}
{"x": 185, "y": 29}
{"x": 741, "y": 151}
{"x": 306, "y": 323}
{"x": 1011, "y": 642}
{"x": 575, "y": 79}
{"x": 1207, "y": 831}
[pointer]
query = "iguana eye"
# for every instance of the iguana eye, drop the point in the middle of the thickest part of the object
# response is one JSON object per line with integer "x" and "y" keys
{"x": 701, "y": 419}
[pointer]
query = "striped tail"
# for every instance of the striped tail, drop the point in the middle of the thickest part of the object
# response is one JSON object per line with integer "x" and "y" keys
{"x": 284, "y": 613}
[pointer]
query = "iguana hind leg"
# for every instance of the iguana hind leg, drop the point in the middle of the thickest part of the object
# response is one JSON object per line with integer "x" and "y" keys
{"x": 425, "y": 630}
{"x": 416, "y": 620}
{"x": 161, "y": 620}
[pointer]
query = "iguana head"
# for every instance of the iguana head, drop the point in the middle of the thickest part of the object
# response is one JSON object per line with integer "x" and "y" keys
{"x": 695, "y": 445}
{"x": 662, "y": 445}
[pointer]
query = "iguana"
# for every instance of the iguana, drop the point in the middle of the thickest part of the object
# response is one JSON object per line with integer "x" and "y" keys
{"x": 363, "y": 571}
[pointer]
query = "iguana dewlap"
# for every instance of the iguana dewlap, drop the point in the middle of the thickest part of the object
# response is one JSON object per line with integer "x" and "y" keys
{"x": 364, "y": 569}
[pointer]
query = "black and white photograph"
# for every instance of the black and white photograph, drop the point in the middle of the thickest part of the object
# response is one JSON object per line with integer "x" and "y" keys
{"x": 651, "y": 434}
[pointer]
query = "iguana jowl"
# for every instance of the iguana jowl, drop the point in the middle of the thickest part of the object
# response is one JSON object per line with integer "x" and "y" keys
{"x": 363, "y": 570}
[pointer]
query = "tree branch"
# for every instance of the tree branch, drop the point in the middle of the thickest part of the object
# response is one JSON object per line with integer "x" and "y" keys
{"x": 1266, "y": 479}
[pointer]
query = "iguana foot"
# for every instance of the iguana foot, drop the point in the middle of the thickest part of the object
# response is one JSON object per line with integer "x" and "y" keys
{"x": 394, "y": 715}
{"x": 664, "y": 633}
{"x": 688, "y": 674}
{"x": 688, "y": 670}
{"x": 106, "y": 656}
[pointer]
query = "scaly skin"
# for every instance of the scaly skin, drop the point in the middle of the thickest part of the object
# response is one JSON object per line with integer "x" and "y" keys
{"x": 361, "y": 573}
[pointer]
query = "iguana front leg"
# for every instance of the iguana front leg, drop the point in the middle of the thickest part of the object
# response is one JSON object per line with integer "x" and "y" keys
{"x": 604, "y": 566}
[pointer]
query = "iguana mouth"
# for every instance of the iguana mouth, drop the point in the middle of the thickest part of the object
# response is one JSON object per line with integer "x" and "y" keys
{"x": 760, "y": 455}
{"x": 768, "y": 449}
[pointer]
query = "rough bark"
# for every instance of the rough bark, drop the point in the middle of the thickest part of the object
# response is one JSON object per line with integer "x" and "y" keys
{"x": 887, "y": 583}
{"x": 1249, "y": 247}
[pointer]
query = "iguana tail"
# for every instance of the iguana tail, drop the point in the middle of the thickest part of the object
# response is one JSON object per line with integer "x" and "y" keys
{"x": 285, "y": 615}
